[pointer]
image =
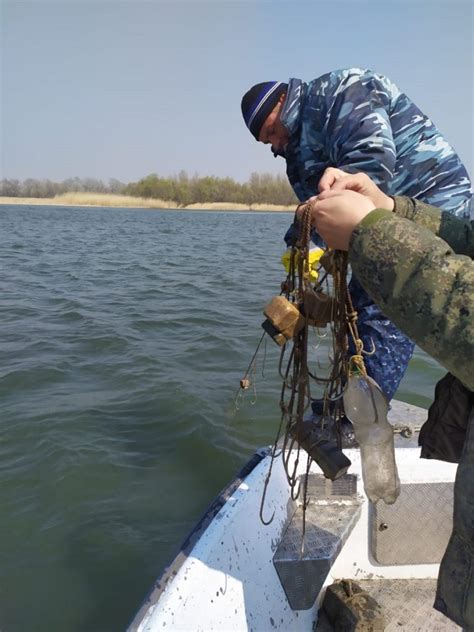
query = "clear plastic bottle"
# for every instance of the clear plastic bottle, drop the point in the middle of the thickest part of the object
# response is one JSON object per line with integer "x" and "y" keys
{"x": 366, "y": 406}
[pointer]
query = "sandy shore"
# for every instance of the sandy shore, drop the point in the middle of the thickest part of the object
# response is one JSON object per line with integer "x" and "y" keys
{"x": 124, "y": 201}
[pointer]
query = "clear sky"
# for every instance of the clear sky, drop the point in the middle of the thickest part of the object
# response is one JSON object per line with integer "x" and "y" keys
{"x": 112, "y": 89}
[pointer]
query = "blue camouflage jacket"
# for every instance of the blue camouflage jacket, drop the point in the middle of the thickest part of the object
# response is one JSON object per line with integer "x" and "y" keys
{"x": 357, "y": 120}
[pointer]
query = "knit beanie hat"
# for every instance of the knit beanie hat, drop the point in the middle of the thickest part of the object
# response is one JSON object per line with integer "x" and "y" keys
{"x": 258, "y": 103}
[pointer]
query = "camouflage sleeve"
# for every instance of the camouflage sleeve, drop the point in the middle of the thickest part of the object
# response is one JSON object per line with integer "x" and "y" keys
{"x": 457, "y": 232}
{"x": 420, "y": 284}
{"x": 359, "y": 134}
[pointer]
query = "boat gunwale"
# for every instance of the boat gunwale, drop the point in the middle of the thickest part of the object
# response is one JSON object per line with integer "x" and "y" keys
{"x": 171, "y": 569}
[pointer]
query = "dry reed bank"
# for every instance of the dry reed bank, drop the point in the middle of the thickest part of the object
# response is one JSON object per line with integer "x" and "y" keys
{"x": 127, "y": 201}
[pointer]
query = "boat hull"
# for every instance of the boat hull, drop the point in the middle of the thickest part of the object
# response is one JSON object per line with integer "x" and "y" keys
{"x": 230, "y": 572}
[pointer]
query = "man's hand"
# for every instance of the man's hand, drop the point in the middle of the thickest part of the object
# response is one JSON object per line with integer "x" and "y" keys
{"x": 335, "y": 214}
{"x": 329, "y": 178}
{"x": 361, "y": 183}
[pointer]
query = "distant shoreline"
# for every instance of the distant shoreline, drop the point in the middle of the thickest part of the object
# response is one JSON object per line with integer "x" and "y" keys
{"x": 124, "y": 201}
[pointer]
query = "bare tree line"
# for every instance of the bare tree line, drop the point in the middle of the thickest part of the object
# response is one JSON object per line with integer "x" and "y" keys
{"x": 47, "y": 189}
{"x": 182, "y": 189}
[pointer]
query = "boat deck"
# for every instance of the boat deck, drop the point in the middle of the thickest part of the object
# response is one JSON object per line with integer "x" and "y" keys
{"x": 236, "y": 573}
{"x": 407, "y": 604}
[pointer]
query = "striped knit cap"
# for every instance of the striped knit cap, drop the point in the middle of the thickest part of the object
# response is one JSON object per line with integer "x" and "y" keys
{"x": 259, "y": 101}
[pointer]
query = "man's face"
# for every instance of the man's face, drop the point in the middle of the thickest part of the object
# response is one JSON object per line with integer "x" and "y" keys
{"x": 273, "y": 131}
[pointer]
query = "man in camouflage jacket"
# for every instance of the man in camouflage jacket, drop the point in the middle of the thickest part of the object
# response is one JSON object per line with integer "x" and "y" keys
{"x": 421, "y": 274}
{"x": 358, "y": 120}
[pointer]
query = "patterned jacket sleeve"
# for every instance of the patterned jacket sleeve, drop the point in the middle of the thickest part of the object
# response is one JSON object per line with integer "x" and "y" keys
{"x": 458, "y": 233}
{"x": 359, "y": 135}
{"x": 421, "y": 284}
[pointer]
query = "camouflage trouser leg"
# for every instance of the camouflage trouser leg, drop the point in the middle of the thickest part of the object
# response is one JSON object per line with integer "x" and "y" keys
{"x": 455, "y": 594}
{"x": 393, "y": 349}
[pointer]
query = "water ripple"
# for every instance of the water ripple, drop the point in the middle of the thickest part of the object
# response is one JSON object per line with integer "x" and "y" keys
{"x": 124, "y": 336}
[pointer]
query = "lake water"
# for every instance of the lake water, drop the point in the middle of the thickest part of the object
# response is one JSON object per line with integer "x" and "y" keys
{"x": 124, "y": 334}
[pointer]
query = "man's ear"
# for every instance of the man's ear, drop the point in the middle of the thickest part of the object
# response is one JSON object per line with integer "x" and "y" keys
{"x": 282, "y": 97}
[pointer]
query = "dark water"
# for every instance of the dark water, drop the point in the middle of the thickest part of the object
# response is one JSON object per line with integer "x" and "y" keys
{"x": 124, "y": 334}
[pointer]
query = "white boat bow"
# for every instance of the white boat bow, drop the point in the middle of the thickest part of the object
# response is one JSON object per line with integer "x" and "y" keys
{"x": 235, "y": 573}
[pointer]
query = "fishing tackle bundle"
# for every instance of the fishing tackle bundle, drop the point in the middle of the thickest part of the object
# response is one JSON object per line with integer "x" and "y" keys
{"x": 305, "y": 305}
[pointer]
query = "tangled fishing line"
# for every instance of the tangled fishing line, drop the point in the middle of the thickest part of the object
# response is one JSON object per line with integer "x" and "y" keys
{"x": 307, "y": 304}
